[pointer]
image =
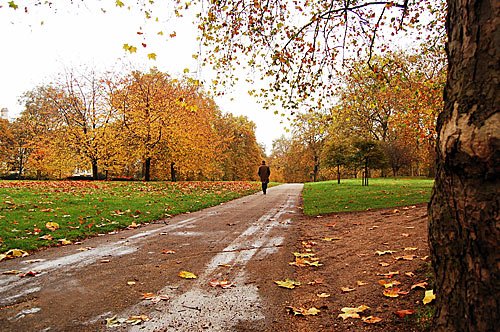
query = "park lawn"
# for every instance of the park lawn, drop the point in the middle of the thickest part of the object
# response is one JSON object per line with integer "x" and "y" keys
{"x": 86, "y": 208}
{"x": 350, "y": 195}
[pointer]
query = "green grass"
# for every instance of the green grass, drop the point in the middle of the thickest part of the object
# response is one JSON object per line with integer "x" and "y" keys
{"x": 350, "y": 195}
{"x": 83, "y": 209}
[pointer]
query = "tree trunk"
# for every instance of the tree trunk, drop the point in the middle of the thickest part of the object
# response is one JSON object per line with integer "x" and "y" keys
{"x": 147, "y": 169}
{"x": 338, "y": 174}
{"x": 463, "y": 212}
{"x": 95, "y": 175}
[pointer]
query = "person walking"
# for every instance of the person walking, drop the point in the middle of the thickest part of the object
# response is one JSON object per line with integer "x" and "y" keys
{"x": 264, "y": 172}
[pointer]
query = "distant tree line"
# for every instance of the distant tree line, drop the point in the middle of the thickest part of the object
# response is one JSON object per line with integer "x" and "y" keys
{"x": 136, "y": 126}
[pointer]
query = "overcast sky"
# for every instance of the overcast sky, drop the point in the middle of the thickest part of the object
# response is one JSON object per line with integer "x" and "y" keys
{"x": 33, "y": 53}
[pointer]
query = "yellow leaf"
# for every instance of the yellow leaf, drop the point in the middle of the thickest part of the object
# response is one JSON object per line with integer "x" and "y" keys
{"x": 64, "y": 242}
{"x": 52, "y": 226}
{"x": 187, "y": 275}
{"x": 346, "y": 315}
{"x": 389, "y": 284}
{"x": 380, "y": 253}
{"x": 371, "y": 319}
{"x": 287, "y": 283}
{"x": 303, "y": 255}
{"x": 347, "y": 289}
{"x": 303, "y": 311}
{"x": 119, "y": 3}
{"x": 429, "y": 296}
{"x": 129, "y": 48}
{"x": 392, "y": 292}
{"x": 152, "y": 56}
{"x": 352, "y": 312}
{"x": 186, "y": 70}
{"x": 323, "y": 295}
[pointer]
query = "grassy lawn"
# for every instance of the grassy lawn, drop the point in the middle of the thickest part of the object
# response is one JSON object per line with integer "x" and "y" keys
{"x": 329, "y": 197}
{"x": 81, "y": 209}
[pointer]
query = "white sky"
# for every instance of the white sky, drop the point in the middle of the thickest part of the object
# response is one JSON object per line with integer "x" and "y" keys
{"x": 32, "y": 54}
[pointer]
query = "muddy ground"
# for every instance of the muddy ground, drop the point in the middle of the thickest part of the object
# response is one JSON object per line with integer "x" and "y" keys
{"x": 129, "y": 281}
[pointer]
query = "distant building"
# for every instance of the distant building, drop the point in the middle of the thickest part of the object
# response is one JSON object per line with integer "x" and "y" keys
{"x": 4, "y": 113}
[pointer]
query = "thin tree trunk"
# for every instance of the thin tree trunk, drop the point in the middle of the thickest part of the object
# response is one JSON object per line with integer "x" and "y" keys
{"x": 95, "y": 174}
{"x": 147, "y": 169}
{"x": 338, "y": 174}
{"x": 464, "y": 227}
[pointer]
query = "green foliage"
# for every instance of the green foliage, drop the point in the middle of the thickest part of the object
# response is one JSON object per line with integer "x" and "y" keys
{"x": 330, "y": 197}
{"x": 84, "y": 209}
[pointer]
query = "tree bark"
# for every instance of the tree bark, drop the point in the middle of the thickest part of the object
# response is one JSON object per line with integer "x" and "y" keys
{"x": 95, "y": 175}
{"x": 463, "y": 212}
{"x": 147, "y": 169}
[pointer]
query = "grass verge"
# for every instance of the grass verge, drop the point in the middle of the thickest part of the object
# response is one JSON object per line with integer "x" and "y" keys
{"x": 350, "y": 195}
{"x": 35, "y": 214}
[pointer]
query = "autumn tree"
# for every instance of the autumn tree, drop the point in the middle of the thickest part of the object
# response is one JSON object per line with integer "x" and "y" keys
{"x": 6, "y": 145}
{"x": 337, "y": 153}
{"x": 239, "y": 151}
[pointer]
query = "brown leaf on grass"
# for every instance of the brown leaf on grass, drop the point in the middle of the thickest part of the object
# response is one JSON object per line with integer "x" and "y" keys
{"x": 403, "y": 313}
{"x": 52, "y": 226}
{"x": 371, "y": 319}
{"x": 347, "y": 289}
{"x": 419, "y": 285}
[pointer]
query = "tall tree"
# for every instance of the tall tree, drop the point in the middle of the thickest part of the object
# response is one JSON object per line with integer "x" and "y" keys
{"x": 464, "y": 228}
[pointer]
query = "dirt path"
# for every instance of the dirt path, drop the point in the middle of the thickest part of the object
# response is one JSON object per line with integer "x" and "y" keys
{"x": 77, "y": 287}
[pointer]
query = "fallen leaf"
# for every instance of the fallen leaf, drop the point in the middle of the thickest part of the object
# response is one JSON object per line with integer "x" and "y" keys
{"x": 389, "y": 274}
{"x": 308, "y": 244}
{"x": 136, "y": 320}
{"x": 323, "y": 295}
{"x": 303, "y": 255}
{"x": 316, "y": 282}
{"x": 405, "y": 257}
{"x": 331, "y": 225}
{"x": 347, "y": 289}
{"x": 105, "y": 260}
{"x": 419, "y": 285}
{"x": 389, "y": 284}
{"x": 424, "y": 258}
{"x": 380, "y": 253}
{"x": 47, "y": 237}
{"x": 131, "y": 283}
{"x": 187, "y": 275}
{"x": 168, "y": 252}
{"x": 132, "y": 225}
{"x": 410, "y": 249}
{"x": 410, "y": 274}
{"x": 287, "y": 283}
{"x": 329, "y": 239}
{"x": 405, "y": 234}
{"x": 429, "y": 296}
{"x": 403, "y": 313}
{"x": 29, "y": 274}
{"x": 64, "y": 242}
{"x": 352, "y": 312}
{"x": 303, "y": 311}
{"x": 148, "y": 296}
{"x": 221, "y": 283}
{"x": 361, "y": 283}
{"x": 371, "y": 319}
{"x": 12, "y": 272}
{"x": 392, "y": 292}
{"x": 52, "y": 226}
{"x": 384, "y": 264}
{"x": 113, "y": 322}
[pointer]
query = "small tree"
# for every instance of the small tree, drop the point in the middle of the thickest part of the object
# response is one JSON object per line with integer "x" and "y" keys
{"x": 368, "y": 154}
{"x": 337, "y": 154}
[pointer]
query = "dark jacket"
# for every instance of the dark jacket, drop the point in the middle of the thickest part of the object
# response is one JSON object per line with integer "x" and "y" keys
{"x": 264, "y": 172}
